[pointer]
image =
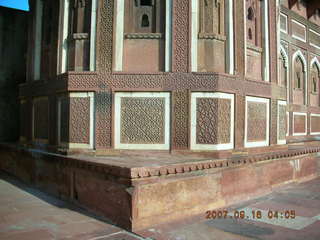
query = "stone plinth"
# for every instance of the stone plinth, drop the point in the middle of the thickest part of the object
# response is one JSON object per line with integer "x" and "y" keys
{"x": 139, "y": 191}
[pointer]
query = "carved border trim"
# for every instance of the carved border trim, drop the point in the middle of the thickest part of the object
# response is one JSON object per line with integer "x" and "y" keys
{"x": 180, "y": 168}
{"x": 212, "y": 36}
{"x": 143, "y": 36}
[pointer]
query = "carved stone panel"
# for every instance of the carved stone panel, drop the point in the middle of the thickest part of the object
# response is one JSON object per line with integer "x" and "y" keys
{"x": 212, "y": 121}
{"x": 142, "y": 120}
{"x": 80, "y": 120}
{"x": 224, "y": 120}
{"x": 257, "y": 122}
{"x": 207, "y": 121}
{"x": 180, "y": 120}
{"x": 282, "y": 121}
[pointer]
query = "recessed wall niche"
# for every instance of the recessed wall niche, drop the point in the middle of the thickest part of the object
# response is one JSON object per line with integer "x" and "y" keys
{"x": 254, "y": 29}
{"x": 144, "y": 35}
{"x": 212, "y": 36}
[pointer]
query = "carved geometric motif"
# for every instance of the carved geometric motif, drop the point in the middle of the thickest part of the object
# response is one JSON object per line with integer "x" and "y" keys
{"x": 213, "y": 121}
{"x": 142, "y": 120}
{"x": 180, "y": 36}
{"x": 212, "y": 118}
{"x": 103, "y": 108}
{"x": 79, "y": 120}
{"x": 282, "y": 122}
{"x": 224, "y": 121}
{"x": 257, "y": 121}
{"x": 207, "y": 121}
{"x": 180, "y": 125}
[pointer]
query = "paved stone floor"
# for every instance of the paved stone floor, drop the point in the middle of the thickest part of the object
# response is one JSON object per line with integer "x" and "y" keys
{"x": 298, "y": 218}
{"x": 26, "y": 213}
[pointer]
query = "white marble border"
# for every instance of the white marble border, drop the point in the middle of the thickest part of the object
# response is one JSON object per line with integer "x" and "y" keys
{"x": 305, "y": 31}
{"x": 168, "y": 40}
{"x": 266, "y": 40}
{"x": 117, "y": 120}
{"x": 193, "y": 141}
{"x": 194, "y": 34}
{"x": 281, "y": 141}
{"x": 92, "y": 130}
{"x": 306, "y": 123}
{"x": 230, "y": 37}
{"x": 266, "y": 141}
{"x": 64, "y": 22}
{"x": 93, "y": 34}
{"x": 288, "y": 123}
{"x": 118, "y": 36}
{"x": 313, "y": 115}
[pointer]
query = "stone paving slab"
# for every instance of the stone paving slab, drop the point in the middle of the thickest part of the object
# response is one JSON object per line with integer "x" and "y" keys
{"x": 302, "y": 198}
{"x": 26, "y": 213}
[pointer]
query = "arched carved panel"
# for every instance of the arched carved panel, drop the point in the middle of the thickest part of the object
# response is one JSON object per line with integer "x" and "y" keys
{"x": 283, "y": 67}
{"x": 299, "y": 78}
{"x": 298, "y": 74}
{"x": 314, "y": 85}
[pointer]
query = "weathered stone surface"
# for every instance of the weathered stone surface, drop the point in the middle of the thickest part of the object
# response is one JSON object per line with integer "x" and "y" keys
{"x": 141, "y": 197}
